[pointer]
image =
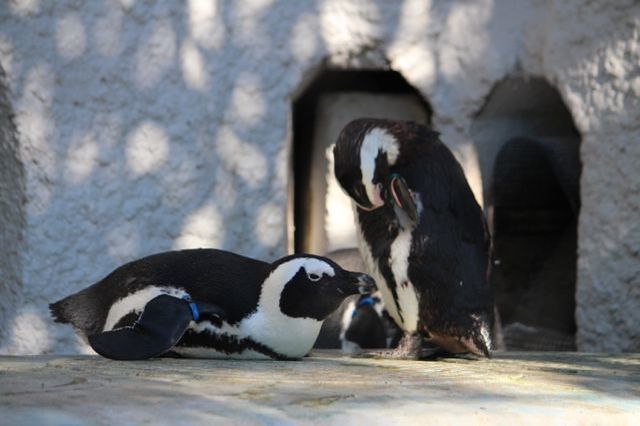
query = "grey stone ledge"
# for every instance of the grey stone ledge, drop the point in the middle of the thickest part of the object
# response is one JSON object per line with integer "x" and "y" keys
{"x": 325, "y": 388}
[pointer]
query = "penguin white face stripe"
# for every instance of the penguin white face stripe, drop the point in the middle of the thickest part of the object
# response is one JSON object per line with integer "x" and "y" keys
{"x": 279, "y": 277}
{"x": 375, "y": 141}
{"x": 135, "y": 302}
{"x": 274, "y": 328}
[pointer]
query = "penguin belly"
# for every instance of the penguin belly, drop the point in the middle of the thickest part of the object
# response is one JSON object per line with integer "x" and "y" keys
{"x": 207, "y": 344}
{"x": 405, "y": 309}
{"x": 279, "y": 338}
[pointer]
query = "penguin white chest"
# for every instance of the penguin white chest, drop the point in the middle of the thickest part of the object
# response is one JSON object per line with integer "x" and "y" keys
{"x": 286, "y": 336}
{"x": 404, "y": 308}
{"x": 408, "y": 298}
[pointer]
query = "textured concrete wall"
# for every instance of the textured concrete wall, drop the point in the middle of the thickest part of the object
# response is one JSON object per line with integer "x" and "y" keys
{"x": 11, "y": 214}
{"x": 146, "y": 126}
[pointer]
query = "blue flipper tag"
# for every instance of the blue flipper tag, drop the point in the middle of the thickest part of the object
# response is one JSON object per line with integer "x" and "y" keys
{"x": 194, "y": 311}
{"x": 194, "y": 308}
{"x": 364, "y": 301}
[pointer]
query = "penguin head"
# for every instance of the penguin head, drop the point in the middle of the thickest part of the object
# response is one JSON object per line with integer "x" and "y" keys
{"x": 315, "y": 286}
{"x": 366, "y": 158}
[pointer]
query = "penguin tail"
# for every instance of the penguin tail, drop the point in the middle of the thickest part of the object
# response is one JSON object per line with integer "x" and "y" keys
{"x": 58, "y": 311}
{"x": 77, "y": 310}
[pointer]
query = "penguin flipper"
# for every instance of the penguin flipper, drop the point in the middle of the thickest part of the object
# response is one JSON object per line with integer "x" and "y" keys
{"x": 402, "y": 196}
{"x": 160, "y": 326}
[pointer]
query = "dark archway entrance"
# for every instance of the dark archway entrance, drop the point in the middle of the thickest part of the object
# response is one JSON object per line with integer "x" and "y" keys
{"x": 529, "y": 151}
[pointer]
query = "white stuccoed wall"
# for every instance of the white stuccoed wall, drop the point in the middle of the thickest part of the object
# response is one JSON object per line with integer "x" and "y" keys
{"x": 145, "y": 126}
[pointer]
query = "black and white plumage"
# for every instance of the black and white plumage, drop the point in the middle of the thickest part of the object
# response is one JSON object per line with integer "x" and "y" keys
{"x": 366, "y": 325}
{"x": 421, "y": 232}
{"x": 210, "y": 303}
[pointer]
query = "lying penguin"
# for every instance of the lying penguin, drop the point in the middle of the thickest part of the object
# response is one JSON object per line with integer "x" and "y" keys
{"x": 422, "y": 234}
{"x": 210, "y": 303}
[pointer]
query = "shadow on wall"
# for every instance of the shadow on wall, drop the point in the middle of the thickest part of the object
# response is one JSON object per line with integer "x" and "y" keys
{"x": 97, "y": 115}
{"x": 147, "y": 127}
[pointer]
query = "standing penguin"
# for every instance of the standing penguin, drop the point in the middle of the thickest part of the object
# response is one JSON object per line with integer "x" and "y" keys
{"x": 210, "y": 303}
{"x": 421, "y": 232}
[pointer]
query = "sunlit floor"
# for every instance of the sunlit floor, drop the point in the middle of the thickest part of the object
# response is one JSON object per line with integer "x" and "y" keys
{"x": 326, "y": 388}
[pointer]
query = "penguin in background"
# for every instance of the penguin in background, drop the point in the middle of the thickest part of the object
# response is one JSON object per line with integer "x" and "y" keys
{"x": 421, "y": 232}
{"x": 367, "y": 325}
{"x": 361, "y": 321}
{"x": 210, "y": 303}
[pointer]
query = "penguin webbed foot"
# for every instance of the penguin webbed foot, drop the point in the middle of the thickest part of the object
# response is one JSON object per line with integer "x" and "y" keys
{"x": 378, "y": 353}
{"x": 437, "y": 353}
{"x": 409, "y": 348}
{"x": 415, "y": 347}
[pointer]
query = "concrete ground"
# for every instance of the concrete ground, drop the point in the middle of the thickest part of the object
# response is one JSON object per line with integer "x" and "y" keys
{"x": 326, "y": 388}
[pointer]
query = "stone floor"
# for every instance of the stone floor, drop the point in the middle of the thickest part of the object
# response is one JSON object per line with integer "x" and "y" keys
{"x": 326, "y": 388}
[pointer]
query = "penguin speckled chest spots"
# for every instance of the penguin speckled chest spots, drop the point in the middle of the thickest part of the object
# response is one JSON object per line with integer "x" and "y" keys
{"x": 421, "y": 231}
{"x": 211, "y": 303}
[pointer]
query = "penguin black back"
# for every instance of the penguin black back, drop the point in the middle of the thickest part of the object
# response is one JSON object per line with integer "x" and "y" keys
{"x": 451, "y": 245}
{"x": 209, "y": 274}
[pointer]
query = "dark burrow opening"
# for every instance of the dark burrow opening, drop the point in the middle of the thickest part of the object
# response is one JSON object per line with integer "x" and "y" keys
{"x": 533, "y": 200}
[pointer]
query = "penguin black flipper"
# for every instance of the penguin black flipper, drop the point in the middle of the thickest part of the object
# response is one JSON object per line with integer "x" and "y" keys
{"x": 402, "y": 196}
{"x": 160, "y": 326}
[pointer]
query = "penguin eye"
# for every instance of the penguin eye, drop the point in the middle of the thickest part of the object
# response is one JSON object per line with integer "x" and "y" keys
{"x": 314, "y": 277}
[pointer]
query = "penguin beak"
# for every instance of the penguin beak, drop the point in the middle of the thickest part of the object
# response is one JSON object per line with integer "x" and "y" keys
{"x": 402, "y": 197}
{"x": 366, "y": 284}
{"x": 356, "y": 282}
